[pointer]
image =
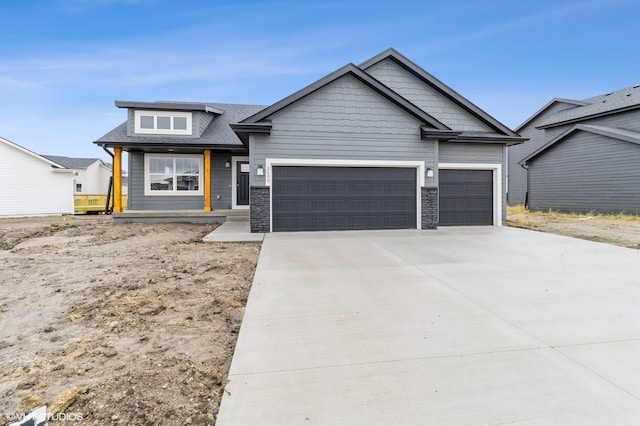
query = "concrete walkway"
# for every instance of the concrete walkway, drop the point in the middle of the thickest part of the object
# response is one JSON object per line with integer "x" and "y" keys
{"x": 459, "y": 326}
{"x": 233, "y": 230}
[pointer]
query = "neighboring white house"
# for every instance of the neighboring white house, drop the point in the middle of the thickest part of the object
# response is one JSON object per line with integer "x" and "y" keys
{"x": 32, "y": 185}
{"x": 90, "y": 175}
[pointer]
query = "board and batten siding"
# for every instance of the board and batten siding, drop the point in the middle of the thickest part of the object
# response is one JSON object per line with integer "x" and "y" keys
{"x": 424, "y": 96}
{"x": 517, "y": 189}
{"x": 480, "y": 153}
{"x": 345, "y": 120}
{"x": 587, "y": 172}
{"x": 31, "y": 187}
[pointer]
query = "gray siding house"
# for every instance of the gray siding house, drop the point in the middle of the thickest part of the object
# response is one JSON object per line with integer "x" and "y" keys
{"x": 381, "y": 145}
{"x": 581, "y": 155}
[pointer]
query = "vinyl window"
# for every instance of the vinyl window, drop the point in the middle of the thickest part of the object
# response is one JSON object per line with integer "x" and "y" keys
{"x": 173, "y": 174}
{"x": 163, "y": 122}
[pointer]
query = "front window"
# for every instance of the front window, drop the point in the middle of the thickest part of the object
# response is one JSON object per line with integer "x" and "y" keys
{"x": 173, "y": 174}
{"x": 163, "y": 122}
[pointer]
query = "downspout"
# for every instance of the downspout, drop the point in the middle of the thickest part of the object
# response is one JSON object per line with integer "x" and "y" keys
{"x": 108, "y": 208}
{"x": 526, "y": 194}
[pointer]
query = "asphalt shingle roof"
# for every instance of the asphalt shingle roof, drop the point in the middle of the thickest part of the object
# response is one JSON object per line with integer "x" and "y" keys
{"x": 597, "y": 105}
{"x": 217, "y": 133}
{"x": 71, "y": 162}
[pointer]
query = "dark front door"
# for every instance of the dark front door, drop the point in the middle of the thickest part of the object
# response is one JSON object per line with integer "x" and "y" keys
{"x": 308, "y": 198}
{"x": 466, "y": 197}
{"x": 242, "y": 183}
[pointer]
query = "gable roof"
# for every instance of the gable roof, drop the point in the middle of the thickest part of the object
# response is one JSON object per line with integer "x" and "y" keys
{"x": 218, "y": 133}
{"x": 72, "y": 163}
{"x": 597, "y": 106}
{"x": 31, "y": 153}
{"x": 433, "y": 128}
{"x": 547, "y": 106}
{"x": 610, "y": 132}
{"x": 442, "y": 88}
{"x": 349, "y": 69}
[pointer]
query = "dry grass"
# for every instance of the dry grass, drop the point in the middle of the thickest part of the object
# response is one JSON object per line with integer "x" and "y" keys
{"x": 520, "y": 209}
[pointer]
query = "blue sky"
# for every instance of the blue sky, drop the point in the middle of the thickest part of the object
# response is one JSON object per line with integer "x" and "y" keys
{"x": 64, "y": 62}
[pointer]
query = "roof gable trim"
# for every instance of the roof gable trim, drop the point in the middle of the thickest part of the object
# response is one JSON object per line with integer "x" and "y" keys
{"x": 33, "y": 154}
{"x": 362, "y": 76}
{"x": 610, "y": 132}
{"x": 548, "y": 105}
{"x": 442, "y": 88}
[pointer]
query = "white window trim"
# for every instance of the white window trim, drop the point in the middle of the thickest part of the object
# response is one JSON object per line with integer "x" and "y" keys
{"x": 155, "y": 131}
{"x": 418, "y": 165}
{"x": 234, "y": 182}
{"x": 497, "y": 183}
{"x": 174, "y": 192}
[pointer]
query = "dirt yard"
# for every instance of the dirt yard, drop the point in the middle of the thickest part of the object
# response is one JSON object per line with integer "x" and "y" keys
{"x": 118, "y": 324}
{"x": 613, "y": 229}
{"x": 136, "y": 324}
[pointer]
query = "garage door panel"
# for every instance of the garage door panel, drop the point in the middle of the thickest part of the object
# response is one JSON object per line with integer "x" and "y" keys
{"x": 466, "y": 197}
{"x": 337, "y": 198}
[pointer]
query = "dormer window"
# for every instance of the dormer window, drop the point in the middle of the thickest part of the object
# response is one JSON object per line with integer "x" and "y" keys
{"x": 163, "y": 122}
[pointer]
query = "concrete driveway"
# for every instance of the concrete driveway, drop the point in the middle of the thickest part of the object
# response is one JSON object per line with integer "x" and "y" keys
{"x": 459, "y": 326}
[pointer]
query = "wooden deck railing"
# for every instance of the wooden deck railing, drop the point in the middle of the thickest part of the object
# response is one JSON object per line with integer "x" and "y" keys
{"x": 85, "y": 203}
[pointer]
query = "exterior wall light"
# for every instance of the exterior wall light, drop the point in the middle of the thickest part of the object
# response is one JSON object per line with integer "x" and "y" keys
{"x": 227, "y": 164}
{"x": 260, "y": 171}
{"x": 429, "y": 173}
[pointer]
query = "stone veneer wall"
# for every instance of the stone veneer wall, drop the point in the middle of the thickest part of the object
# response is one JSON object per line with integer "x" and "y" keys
{"x": 259, "y": 211}
{"x": 429, "y": 212}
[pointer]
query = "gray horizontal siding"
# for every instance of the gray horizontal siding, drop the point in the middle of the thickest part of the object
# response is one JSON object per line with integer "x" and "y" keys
{"x": 345, "y": 120}
{"x": 629, "y": 120}
{"x": 424, "y": 96}
{"x": 537, "y": 139}
{"x": 202, "y": 119}
{"x": 471, "y": 153}
{"x": 220, "y": 181}
{"x": 220, "y": 185}
{"x": 587, "y": 172}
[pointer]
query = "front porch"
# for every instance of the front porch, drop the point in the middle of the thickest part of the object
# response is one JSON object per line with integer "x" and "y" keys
{"x": 190, "y": 216}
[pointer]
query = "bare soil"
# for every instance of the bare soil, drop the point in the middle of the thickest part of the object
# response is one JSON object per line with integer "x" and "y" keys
{"x": 619, "y": 231}
{"x": 118, "y": 324}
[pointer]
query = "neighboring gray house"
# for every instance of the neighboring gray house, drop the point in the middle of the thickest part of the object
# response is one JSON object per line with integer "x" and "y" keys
{"x": 380, "y": 145}
{"x": 581, "y": 155}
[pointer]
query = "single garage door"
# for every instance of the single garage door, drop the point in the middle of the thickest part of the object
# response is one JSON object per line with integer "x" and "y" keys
{"x": 314, "y": 198}
{"x": 466, "y": 197}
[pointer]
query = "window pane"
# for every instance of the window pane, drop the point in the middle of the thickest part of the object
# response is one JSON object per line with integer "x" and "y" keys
{"x": 187, "y": 183}
{"x": 161, "y": 183}
{"x": 164, "y": 122}
{"x": 161, "y": 165}
{"x": 189, "y": 166}
{"x": 146, "y": 122}
{"x": 180, "y": 123}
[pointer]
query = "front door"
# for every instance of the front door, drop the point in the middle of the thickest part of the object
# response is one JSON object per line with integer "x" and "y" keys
{"x": 242, "y": 183}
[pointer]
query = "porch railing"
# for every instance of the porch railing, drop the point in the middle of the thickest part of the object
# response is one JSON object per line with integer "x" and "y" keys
{"x": 90, "y": 203}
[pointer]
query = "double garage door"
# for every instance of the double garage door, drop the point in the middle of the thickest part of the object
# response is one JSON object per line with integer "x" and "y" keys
{"x": 308, "y": 198}
{"x": 339, "y": 198}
